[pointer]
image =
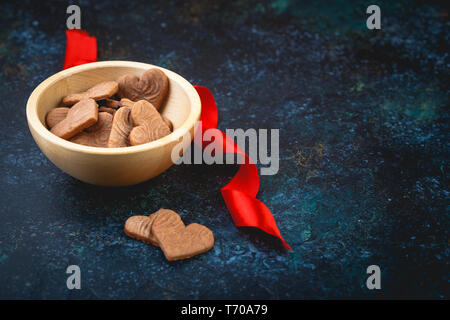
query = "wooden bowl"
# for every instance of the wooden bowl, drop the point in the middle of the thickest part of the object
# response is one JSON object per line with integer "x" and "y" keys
{"x": 111, "y": 166}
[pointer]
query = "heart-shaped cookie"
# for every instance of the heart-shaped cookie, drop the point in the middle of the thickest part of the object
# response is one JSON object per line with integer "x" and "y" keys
{"x": 152, "y": 86}
{"x": 168, "y": 122}
{"x": 140, "y": 227}
{"x": 111, "y": 103}
{"x": 81, "y": 116}
{"x": 121, "y": 128}
{"x": 124, "y": 102}
{"x": 164, "y": 228}
{"x": 178, "y": 241}
{"x": 98, "y": 134}
{"x": 100, "y": 91}
{"x": 148, "y": 124}
{"x": 55, "y": 116}
{"x": 111, "y": 111}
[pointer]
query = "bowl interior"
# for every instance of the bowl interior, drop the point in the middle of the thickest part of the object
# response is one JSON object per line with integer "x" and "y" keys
{"x": 176, "y": 107}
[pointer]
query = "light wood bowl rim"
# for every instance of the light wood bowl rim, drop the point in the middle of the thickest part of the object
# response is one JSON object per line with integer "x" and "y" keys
{"x": 178, "y": 133}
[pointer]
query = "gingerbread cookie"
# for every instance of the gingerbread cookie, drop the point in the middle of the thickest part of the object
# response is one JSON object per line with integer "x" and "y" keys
{"x": 100, "y": 91}
{"x": 55, "y": 116}
{"x": 139, "y": 227}
{"x": 148, "y": 124}
{"x": 98, "y": 134}
{"x": 81, "y": 116}
{"x": 152, "y": 86}
{"x": 124, "y": 102}
{"x": 168, "y": 122}
{"x": 165, "y": 229}
{"x": 178, "y": 241}
{"x": 121, "y": 128}
{"x": 111, "y": 103}
{"x": 107, "y": 109}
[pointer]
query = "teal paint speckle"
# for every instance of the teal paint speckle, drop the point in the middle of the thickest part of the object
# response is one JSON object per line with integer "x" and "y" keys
{"x": 3, "y": 257}
{"x": 77, "y": 250}
{"x": 422, "y": 104}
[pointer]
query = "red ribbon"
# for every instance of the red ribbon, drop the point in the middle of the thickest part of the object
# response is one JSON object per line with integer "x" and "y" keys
{"x": 240, "y": 193}
{"x": 80, "y": 48}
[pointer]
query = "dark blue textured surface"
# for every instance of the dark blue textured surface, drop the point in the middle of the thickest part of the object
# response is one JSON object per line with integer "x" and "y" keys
{"x": 364, "y": 152}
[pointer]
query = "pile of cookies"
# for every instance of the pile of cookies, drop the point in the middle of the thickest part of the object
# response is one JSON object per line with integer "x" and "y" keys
{"x": 114, "y": 114}
{"x": 164, "y": 228}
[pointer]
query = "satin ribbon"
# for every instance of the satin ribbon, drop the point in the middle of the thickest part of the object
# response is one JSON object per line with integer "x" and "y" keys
{"x": 80, "y": 48}
{"x": 240, "y": 193}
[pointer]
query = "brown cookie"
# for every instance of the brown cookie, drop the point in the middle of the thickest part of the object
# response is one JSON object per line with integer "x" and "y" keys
{"x": 121, "y": 128}
{"x": 81, "y": 116}
{"x": 111, "y": 103}
{"x": 98, "y": 134}
{"x": 168, "y": 122}
{"x": 152, "y": 86}
{"x": 107, "y": 109}
{"x": 139, "y": 227}
{"x": 55, "y": 116}
{"x": 100, "y": 91}
{"x": 148, "y": 124}
{"x": 152, "y": 217}
{"x": 124, "y": 102}
{"x": 178, "y": 241}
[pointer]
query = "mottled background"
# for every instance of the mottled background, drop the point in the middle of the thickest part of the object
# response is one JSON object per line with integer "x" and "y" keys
{"x": 364, "y": 152}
